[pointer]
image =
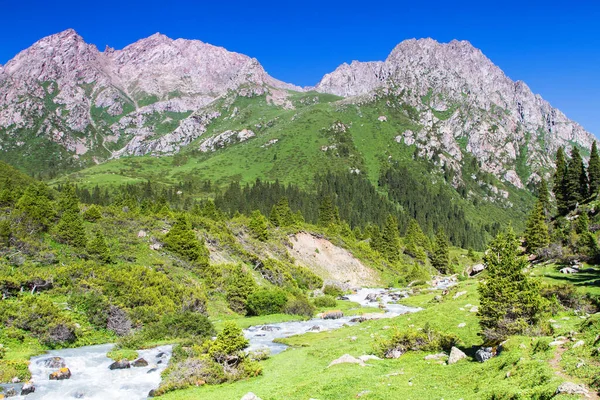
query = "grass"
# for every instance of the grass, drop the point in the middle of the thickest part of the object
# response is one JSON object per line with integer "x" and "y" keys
{"x": 302, "y": 372}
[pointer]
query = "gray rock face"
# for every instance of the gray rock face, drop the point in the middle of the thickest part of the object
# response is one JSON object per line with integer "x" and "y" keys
{"x": 463, "y": 100}
{"x": 69, "y": 86}
{"x": 455, "y": 355}
{"x": 484, "y": 354}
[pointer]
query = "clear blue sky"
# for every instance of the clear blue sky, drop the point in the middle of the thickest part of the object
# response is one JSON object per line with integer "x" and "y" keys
{"x": 553, "y": 46}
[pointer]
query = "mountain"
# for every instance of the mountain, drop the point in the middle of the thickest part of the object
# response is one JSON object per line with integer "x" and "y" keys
{"x": 65, "y": 105}
{"x": 463, "y": 100}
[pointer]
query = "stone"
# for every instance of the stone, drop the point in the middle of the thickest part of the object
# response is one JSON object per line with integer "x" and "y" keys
{"x": 61, "y": 374}
{"x": 485, "y": 353}
{"x": 11, "y": 392}
{"x": 569, "y": 270}
{"x": 455, "y": 355}
{"x": 250, "y": 396}
{"x": 579, "y": 343}
{"x": 121, "y": 364}
{"x": 459, "y": 294}
{"x": 368, "y": 357}
{"x": 435, "y": 356}
{"x": 571, "y": 388}
{"x": 462, "y": 325}
{"x": 27, "y": 388}
{"x": 15, "y": 380}
{"x": 347, "y": 359}
{"x": 140, "y": 362}
{"x": 334, "y": 314}
{"x": 474, "y": 309}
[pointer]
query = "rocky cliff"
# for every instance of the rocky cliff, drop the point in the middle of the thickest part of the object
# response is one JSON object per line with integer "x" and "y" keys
{"x": 463, "y": 102}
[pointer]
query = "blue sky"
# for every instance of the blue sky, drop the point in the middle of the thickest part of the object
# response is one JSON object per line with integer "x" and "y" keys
{"x": 553, "y": 46}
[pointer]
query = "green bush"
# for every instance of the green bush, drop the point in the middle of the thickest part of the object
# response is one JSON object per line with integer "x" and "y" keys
{"x": 325, "y": 301}
{"x": 266, "y": 301}
{"x": 299, "y": 305}
{"x": 181, "y": 325}
{"x": 333, "y": 291}
{"x": 414, "y": 340}
{"x": 14, "y": 368}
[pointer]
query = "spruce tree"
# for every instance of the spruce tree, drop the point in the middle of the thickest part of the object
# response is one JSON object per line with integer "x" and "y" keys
{"x": 36, "y": 207}
{"x": 258, "y": 226}
{"x": 182, "y": 240}
{"x": 70, "y": 229}
{"x": 98, "y": 247}
{"x": 582, "y": 223}
{"x": 390, "y": 239}
{"x": 510, "y": 302}
{"x": 594, "y": 170}
{"x": 536, "y": 233}
{"x": 415, "y": 241}
{"x": 559, "y": 181}
{"x": 575, "y": 180}
{"x": 440, "y": 258}
{"x": 544, "y": 197}
{"x": 327, "y": 212}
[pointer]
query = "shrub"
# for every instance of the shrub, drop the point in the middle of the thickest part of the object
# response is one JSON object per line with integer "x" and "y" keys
{"x": 228, "y": 342}
{"x": 333, "y": 291}
{"x": 238, "y": 286}
{"x": 305, "y": 278}
{"x": 14, "y": 368}
{"x": 122, "y": 354}
{"x": 299, "y": 305}
{"x": 186, "y": 324}
{"x": 92, "y": 214}
{"x": 413, "y": 340}
{"x": 325, "y": 301}
{"x": 265, "y": 302}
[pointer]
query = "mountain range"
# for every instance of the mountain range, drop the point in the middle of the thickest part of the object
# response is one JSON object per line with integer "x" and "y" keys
{"x": 65, "y": 105}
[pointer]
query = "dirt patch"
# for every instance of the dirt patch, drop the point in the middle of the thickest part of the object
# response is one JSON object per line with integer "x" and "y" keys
{"x": 555, "y": 364}
{"x": 331, "y": 262}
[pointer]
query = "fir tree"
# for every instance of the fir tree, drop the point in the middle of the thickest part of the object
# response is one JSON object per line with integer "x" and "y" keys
{"x": 36, "y": 207}
{"x": 415, "y": 241}
{"x": 536, "y": 234}
{"x": 582, "y": 223}
{"x": 544, "y": 197}
{"x": 390, "y": 239}
{"x": 182, "y": 240}
{"x": 92, "y": 214}
{"x": 558, "y": 187}
{"x": 98, "y": 247}
{"x": 70, "y": 229}
{"x": 68, "y": 200}
{"x": 258, "y": 226}
{"x": 510, "y": 302}
{"x": 281, "y": 214}
{"x": 575, "y": 180}
{"x": 440, "y": 258}
{"x": 327, "y": 212}
{"x": 594, "y": 170}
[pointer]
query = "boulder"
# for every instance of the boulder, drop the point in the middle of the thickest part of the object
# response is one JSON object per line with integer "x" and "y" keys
{"x": 61, "y": 374}
{"x": 372, "y": 297}
{"x": 16, "y": 380}
{"x": 27, "y": 388}
{"x": 572, "y": 388}
{"x": 393, "y": 353}
{"x": 140, "y": 362}
{"x": 458, "y": 294}
{"x": 269, "y": 328}
{"x": 367, "y": 357}
{"x": 569, "y": 270}
{"x": 53, "y": 362}
{"x": 250, "y": 396}
{"x": 455, "y": 355}
{"x": 10, "y": 392}
{"x": 335, "y": 314}
{"x": 358, "y": 319}
{"x": 121, "y": 364}
{"x": 485, "y": 353}
{"x": 347, "y": 359}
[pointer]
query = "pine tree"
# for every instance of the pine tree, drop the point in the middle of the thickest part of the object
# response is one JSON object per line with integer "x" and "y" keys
{"x": 415, "y": 241}
{"x": 68, "y": 200}
{"x": 440, "y": 258}
{"x": 390, "y": 239}
{"x": 98, "y": 247}
{"x": 281, "y": 214}
{"x": 575, "y": 180}
{"x": 327, "y": 212}
{"x": 92, "y": 214}
{"x": 510, "y": 302}
{"x": 36, "y": 207}
{"x": 70, "y": 229}
{"x": 258, "y": 226}
{"x": 582, "y": 223}
{"x": 182, "y": 240}
{"x": 544, "y": 197}
{"x": 594, "y": 170}
{"x": 536, "y": 234}
{"x": 558, "y": 187}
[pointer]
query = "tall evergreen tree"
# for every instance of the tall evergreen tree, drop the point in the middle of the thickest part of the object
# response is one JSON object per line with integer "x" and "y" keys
{"x": 36, "y": 207}
{"x": 594, "y": 170}
{"x": 182, "y": 240}
{"x": 510, "y": 302}
{"x": 70, "y": 229}
{"x": 98, "y": 247}
{"x": 391, "y": 239}
{"x": 558, "y": 187}
{"x": 576, "y": 186}
{"x": 544, "y": 197}
{"x": 327, "y": 212}
{"x": 440, "y": 258}
{"x": 258, "y": 226}
{"x": 536, "y": 234}
{"x": 582, "y": 223}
